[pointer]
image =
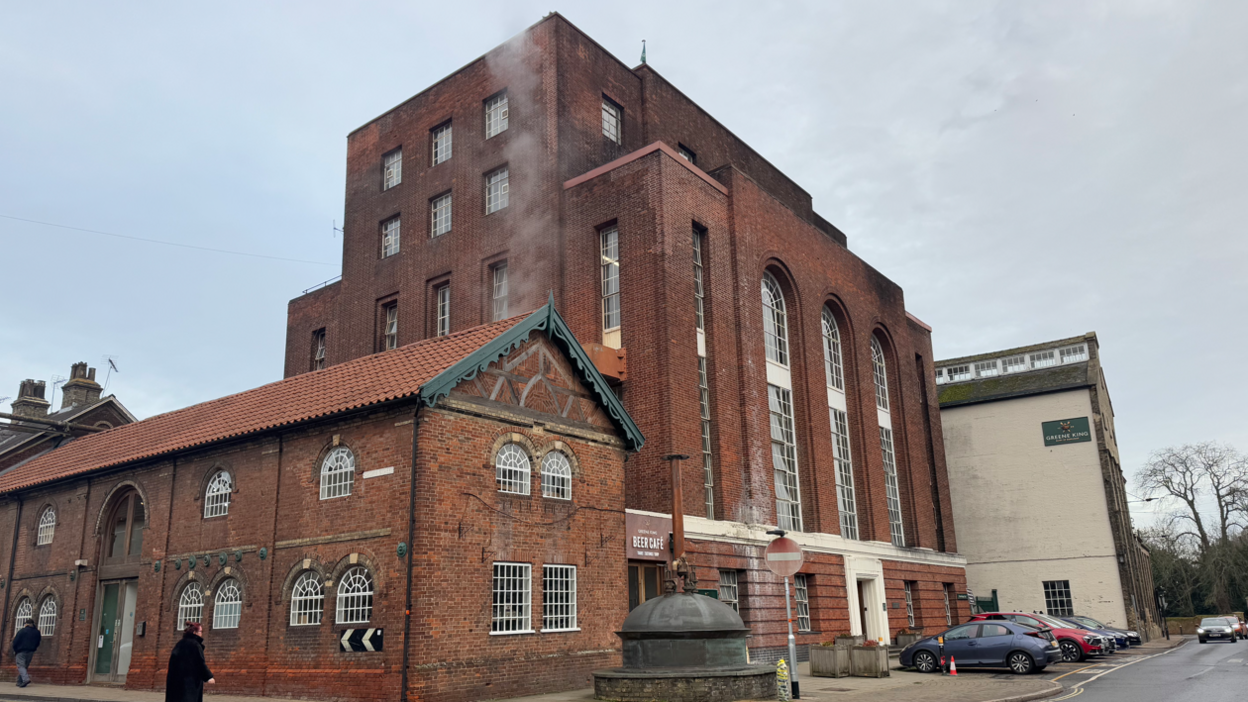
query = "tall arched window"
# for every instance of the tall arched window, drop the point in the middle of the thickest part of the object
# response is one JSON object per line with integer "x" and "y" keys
{"x": 25, "y": 612}
{"x": 337, "y": 473}
{"x": 123, "y": 540}
{"x": 780, "y": 406}
{"x": 511, "y": 469}
{"x": 190, "y": 605}
{"x": 892, "y": 490}
{"x": 833, "y": 372}
{"x": 47, "y": 616}
{"x": 838, "y": 408}
{"x": 556, "y": 476}
{"x": 217, "y": 496}
{"x": 880, "y": 368}
{"x": 775, "y": 321}
{"x": 47, "y": 527}
{"x": 355, "y": 597}
{"x": 227, "y": 605}
{"x": 307, "y": 600}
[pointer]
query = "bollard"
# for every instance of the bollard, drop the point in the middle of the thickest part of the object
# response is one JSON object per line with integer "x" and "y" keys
{"x": 782, "y": 681}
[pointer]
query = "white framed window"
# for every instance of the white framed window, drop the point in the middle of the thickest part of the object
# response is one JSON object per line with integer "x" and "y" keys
{"x": 512, "y": 603}
{"x": 880, "y": 371}
{"x": 958, "y": 373}
{"x": 496, "y": 190}
{"x": 227, "y": 605}
{"x": 892, "y": 491}
{"x": 511, "y": 469}
{"x": 801, "y": 598}
{"x": 25, "y": 613}
{"x": 948, "y": 611}
{"x": 496, "y": 115}
{"x": 775, "y": 322}
{"x": 392, "y": 169}
{"x": 390, "y": 237}
{"x": 318, "y": 349}
{"x": 442, "y": 317}
{"x": 729, "y": 592}
{"x": 687, "y": 153}
{"x": 833, "y": 371}
{"x": 556, "y": 476}
{"x": 442, "y": 143}
{"x": 845, "y": 500}
{"x": 1043, "y": 359}
{"x": 1057, "y": 599}
{"x": 559, "y": 598}
{"x": 355, "y": 597}
{"x": 217, "y": 496}
{"x": 47, "y": 527}
{"x": 499, "y": 300}
{"x": 337, "y": 473}
{"x": 609, "y": 248}
{"x": 1014, "y": 364}
{"x": 440, "y": 215}
{"x": 986, "y": 369}
{"x": 909, "y": 604}
{"x": 190, "y": 605}
{"x": 1073, "y": 354}
{"x": 698, "y": 292}
{"x": 390, "y": 335}
{"x": 47, "y": 617}
{"x": 784, "y": 459}
{"x": 940, "y": 376}
{"x": 612, "y": 121}
{"x": 307, "y": 600}
{"x": 708, "y": 463}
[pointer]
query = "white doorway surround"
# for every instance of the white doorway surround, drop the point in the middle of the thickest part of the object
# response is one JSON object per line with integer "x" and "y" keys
{"x": 864, "y": 585}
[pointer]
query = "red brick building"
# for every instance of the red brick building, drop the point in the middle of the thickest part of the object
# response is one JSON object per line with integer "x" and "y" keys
{"x": 733, "y": 320}
{"x": 441, "y": 517}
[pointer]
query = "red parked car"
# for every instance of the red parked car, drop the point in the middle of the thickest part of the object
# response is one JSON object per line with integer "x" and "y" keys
{"x": 1076, "y": 644}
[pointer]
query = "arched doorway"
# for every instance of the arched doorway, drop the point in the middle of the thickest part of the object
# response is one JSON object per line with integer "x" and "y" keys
{"x": 121, "y": 543}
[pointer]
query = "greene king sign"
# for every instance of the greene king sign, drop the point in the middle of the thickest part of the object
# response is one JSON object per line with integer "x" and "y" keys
{"x": 1066, "y": 431}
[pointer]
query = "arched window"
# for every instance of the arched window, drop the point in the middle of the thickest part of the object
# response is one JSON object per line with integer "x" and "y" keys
{"x": 127, "y": 522}
{"x": 511, "y": 469}
{"x": 190, "y": 605}
{"x": 217, "y": 496}
{"x": 833, "y": 372}
{"x": 47, "y": 616}
{"x": 47, "y": 526}
{"x": 227, "y": 605}
{"x": 838, "y": 409}
{"x": 775, "y": 321}
{"x": 25, "y": 612}
{"x": 892, "y": 488}
{"x": 556, "y": 476}
{"x": 337, "y": 473}
{"x": 881, "y": 374}
{"x": 355, "y": 597}
{"x": 307, "y": 600}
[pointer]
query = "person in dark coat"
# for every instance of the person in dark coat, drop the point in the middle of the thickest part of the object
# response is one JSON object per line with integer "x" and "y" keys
{"x": 188, "y": 671}
{"x": 24, "y": 646}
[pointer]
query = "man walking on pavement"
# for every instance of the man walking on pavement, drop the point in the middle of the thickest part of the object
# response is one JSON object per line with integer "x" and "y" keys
{"x": 24, "y": 646}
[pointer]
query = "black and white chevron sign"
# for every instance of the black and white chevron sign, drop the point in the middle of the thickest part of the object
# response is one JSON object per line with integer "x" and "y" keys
{"x": 361, "y": 640}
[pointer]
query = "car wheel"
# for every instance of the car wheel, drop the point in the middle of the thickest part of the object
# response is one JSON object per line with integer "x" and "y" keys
{"x": 925, "y": 662}
{"x": 1071, "y": 651}
{"x": 1021, "y": 663}
{"x": 1202, "y": 640}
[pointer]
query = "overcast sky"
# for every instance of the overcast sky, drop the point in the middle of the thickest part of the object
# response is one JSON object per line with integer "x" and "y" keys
{"x": 1025, "y": 171}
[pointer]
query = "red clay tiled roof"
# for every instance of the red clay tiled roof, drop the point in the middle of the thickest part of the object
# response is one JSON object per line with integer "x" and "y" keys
{"x": 359, "y": 383}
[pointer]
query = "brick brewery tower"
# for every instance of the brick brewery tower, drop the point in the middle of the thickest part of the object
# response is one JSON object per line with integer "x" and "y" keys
{"x": 733, "y": 321}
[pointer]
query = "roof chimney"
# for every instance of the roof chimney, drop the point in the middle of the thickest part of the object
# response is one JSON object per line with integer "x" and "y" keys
{"x": 30, "y": 402}
{"x": 81, "y": 388}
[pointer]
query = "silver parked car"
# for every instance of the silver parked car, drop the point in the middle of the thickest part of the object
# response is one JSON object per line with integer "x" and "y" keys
{"x": 1215, "y": 628}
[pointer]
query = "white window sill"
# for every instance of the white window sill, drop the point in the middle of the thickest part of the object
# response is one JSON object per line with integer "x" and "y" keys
{"x": 511, "y": 633}
{"x": 559, "y": 631}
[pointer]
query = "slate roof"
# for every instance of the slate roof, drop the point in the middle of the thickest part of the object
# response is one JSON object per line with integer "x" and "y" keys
{"x": 1036, "y": 382}
{"x": 11, "y": 438}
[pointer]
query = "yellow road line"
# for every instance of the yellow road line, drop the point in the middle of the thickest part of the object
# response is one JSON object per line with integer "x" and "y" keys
{"x": 1075, "y": 671}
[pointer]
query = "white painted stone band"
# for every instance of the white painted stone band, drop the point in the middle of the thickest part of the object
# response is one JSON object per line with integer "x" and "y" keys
{"x": 378, "y": 472}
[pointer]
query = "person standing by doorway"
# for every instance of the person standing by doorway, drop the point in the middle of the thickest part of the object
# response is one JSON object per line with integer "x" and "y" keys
{"x": 24, "y": 646}
{"x": 188, "y": 671}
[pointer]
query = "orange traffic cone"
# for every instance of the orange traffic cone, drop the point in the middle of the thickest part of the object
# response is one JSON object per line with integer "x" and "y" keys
{"x": 953, "y": 665}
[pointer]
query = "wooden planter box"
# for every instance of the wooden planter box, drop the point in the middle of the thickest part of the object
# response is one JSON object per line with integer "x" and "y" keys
{"x": 868, "y": 661}
{"x": 904, "y": 640}
{"x": 829, "y": 661}
{"x": 847, "y": 641}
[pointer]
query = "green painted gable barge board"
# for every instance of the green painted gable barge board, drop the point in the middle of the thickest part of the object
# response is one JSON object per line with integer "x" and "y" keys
{"x": 546, "y": 319}
{"x": 1037, "y": 382}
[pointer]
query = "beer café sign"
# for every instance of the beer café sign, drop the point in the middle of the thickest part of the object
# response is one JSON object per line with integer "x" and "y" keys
{"x": 647, "y": 536}
{"x": 1066, "y": 431}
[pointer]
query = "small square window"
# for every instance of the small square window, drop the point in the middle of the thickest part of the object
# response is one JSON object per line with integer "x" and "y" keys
{"x": 957, "y": 373}
{"x": 392, "y": 169}
{"x": 940, "y": 376}
{"x": 986, "y": 369}
{"x": 1057, "y": 599}
{"x": 1014, "y": 364}
{"x": 729, "y": 593}
{"x": 612, "y": 121}
{"x": 1074, "y": 354}
{"x": 442, "y": 144}
{"x": 440, "y": 215}
{"x": 495, "y": 115}
{"x": 390, "y": 237}
{"x": 687, "y": 154}
{"x": 496, "y": 191}
{"x": 1043, "y": 359}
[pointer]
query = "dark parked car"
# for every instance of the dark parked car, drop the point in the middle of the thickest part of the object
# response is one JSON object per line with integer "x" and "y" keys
{"x": 999, "y": 644}
{"x": 1215, "y": 628}
{"x": 1132, "y": 636}
{"x": 1117, "y": 637}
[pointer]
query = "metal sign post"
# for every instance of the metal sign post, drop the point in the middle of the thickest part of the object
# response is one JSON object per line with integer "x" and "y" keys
{"x": 784, "y": 558}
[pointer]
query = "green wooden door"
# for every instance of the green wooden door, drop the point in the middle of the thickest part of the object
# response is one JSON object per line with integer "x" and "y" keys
{"x": 107, "y": 634}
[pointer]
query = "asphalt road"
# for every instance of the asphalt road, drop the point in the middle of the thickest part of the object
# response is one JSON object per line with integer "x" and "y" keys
{"x": 1213, "y": 672}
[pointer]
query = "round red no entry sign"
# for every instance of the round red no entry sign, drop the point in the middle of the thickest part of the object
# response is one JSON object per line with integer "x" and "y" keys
{"x": 784, "y": 557}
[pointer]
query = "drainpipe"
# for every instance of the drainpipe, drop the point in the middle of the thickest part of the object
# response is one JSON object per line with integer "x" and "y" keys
{"x": 8, "y": 586}
{"x": 411, "y": 537}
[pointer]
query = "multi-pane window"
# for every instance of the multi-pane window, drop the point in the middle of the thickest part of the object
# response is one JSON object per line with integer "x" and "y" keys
{"x": 940, "y": 376}
{"x": 1057, "y": 600}
{"x": 513, "y": 590}
{"x": 892, "y": 491}
{"x": 307, "y": 600}
{"x": 909, "y": 604}
{"x": 1014, "y": 364}
{"x": 190, "y": 605}
{"x": 25, "y": 612}
{"x": 337, "y": 473}
{"x": 355, "y": 597}
{"x": 948, "y": 611}
{"x": 442, "y": 313}
{"x": 986, "y": 369}
{"x": 227, "y": 605}
{"x": 845, "y": 500}
{"x": 957, "y": 373}
{"x": 318, "y": 349}
{"x": 440, "y": 215}
{"x": 612, "y": 121}
{"x": 784, "y": 459}
{"x": 217, "y": 496}
{"x": 729, "y": 593}
{"x": 708, "y": 464}
{"x": 390, "y": 237}
{"x": 698, "y": 291}
{"x": 392, "y": 169}
{"x": 47, "y": 617}
{"x": 687, "y": 153}
{"x": 801, "y": 598}
{"x": 511, "y": 469}
{"x": 499, "y": 299}
{"x": 1043, "y": 359}
{"x": 47, "y": 527}
{"x": 775, "y": 321}
{"x": 1072, "y": 354}
{"x": 559, "y": 598}
{"x": 442, "y": 143}
{"x": 495, "y": 115}
{"x": 880, "y": 370}
{"x": 833, "y": 371}
{"x": 556, "y": 476}
{"x": 390, "y": 332}
{"x": 609, "y": 247}
{"x": 496, "y": 189}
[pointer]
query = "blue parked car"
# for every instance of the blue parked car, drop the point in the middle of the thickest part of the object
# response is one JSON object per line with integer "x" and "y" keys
{"x": 1132, "y": 636}
{"x": 1119, "y": 637}
{"x": 998, "y": 644}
